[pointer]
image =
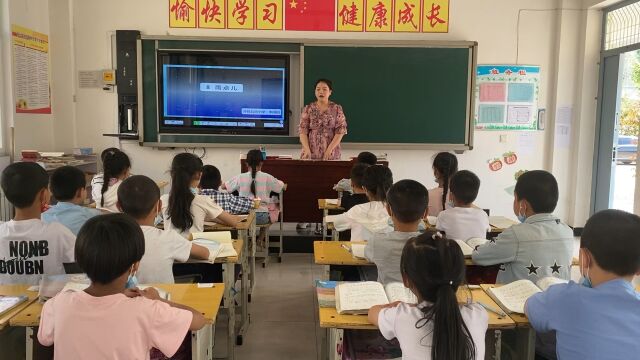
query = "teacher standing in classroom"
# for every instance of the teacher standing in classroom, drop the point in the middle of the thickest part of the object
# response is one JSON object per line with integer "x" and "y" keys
{"x": 322, "y": 125}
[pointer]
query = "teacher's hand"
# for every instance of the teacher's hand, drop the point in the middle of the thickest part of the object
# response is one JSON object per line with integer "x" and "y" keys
{"x": 328, "y": 153}
{"x": 306, "y": 154}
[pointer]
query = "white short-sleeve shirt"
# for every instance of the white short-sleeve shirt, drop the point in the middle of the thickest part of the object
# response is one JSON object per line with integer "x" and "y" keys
{"x": 464, "y": 223}
{"x": 203, "y": 208}
{"x": 110, "y": 197}
{"x": 399, "y": 322}
{"x": 32, "y": 248}
{"x": 161, "y": 250}
{"x": 363, "y": 220}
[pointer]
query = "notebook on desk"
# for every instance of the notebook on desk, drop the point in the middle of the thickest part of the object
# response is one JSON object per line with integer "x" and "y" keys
{"x": 358, "y": 297}
{"x": 513, "y": 296}
{"x": 9, "y": 302}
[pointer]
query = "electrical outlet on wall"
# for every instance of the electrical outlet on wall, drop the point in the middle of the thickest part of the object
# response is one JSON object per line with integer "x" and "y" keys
{"x": 503, "y": 138}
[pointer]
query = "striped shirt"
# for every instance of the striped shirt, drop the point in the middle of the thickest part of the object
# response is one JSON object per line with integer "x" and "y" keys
{"x": 265, "y": 185}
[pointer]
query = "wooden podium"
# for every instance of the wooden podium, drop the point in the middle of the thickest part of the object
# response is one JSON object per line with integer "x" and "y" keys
{"x": 307, "y": 181}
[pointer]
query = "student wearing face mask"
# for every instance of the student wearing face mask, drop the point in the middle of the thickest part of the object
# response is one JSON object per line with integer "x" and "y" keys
{"x": 542, "y": 245}
{"x": 139, "y": 197}
{"x": 600, "y": 317}
{"x": 105, "y": 321}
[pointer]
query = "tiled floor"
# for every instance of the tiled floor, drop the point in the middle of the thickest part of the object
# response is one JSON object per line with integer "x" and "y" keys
{"x": 283, "y": 313}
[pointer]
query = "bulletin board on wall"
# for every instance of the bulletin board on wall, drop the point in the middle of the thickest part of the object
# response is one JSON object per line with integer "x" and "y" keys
{"x": 400, "y": 94}
{"x": 507, "y": 97}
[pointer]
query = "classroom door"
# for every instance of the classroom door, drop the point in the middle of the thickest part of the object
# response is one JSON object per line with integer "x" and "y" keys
{"x": 617, "y": 137}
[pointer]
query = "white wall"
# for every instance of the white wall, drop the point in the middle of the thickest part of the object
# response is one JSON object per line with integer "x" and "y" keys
{"x": 561, "y": 42}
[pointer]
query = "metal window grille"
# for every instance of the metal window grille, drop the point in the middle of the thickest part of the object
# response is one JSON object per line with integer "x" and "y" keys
{"x": 622, "y": 27}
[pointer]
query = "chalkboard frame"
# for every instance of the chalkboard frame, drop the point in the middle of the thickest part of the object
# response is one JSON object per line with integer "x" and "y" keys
{"x": 287, "y": 45}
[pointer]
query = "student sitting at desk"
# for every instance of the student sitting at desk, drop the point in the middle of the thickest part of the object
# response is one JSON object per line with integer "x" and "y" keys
{"x": 116, "y": 165}
{"x": 364, "y": 157}
{"x": 183, "y": 209}
{"x": 105, "y": 321}
{"x": 539, "y": 247}
{"x": 464, "y": 221}
{"x": 445, "y": 164}
{"x": 438, "y": 327}
{"x": 372, "y": 217}
{"x": 600, "y": 317}
{"x": 406, "y": 204}
{"x": 139, "y": 197}
{"x": 359, "y": 196}
{"x": 69, "y": 186}
{"x": 29, "y": 247}
{"x": 210, "y": 184}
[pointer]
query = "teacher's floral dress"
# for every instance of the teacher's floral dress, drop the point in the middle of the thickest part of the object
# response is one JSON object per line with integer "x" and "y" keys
{"x": 321, "y": 126}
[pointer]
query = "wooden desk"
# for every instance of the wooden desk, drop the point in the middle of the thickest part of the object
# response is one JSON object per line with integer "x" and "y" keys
{"x": 525, "y": 334}
{"x": 204, "y": 300}
{"x": 335, "y": 323}
{"x": 307, "y": 181}
{"x": 15, "y": 290}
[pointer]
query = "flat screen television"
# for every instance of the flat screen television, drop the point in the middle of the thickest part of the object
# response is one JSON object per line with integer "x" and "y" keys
{"x": 223, "y": 93}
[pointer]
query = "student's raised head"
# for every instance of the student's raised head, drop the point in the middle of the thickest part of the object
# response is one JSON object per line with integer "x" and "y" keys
{"x": 357, "y": 174}
{"x": 610, "y": 240}
{"x": 25, "y": 185}
{"x": 186, "y": 170}
{"x": 139, "y": 197}
{"x": 68, "y": 183}
{"x": 116, "y": 165}
{"x": 464, "y": 187}
{"x": 444, "y": 165}
{"x": 367, "y": 157}
{"x": 432, "y": 266}
{"x": 109, "y": 247}
{"x": 254, "y": 161}
{"x": 211, "y": 178}
{"x": 536, "y": 192}
{"x": 376, "y": 181}
{"x": 407, "y": 201}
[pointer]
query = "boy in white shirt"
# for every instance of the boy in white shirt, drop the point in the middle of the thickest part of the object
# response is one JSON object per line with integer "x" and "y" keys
{"x": 463, "y": 221}
{"x": 30, "y": 248}
{"x": 139, "y": 197}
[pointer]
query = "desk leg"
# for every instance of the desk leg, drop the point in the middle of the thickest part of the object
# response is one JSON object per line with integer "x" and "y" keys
{"x": 526, "y": 343}
{"x": 325, "y": 212}
{"x": 334, "y": 341}
{"x": 229, "y": 304}
{"x": 244, "y": 311}
{"x": 202, "y": 343}
{"x": 29, "y": 342}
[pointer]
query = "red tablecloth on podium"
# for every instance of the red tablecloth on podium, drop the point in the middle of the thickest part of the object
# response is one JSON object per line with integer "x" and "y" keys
{"x": 307, "y": 181}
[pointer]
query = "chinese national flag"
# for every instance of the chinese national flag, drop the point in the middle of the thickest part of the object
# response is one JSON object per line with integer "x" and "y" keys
{"x": 310, "y": 15}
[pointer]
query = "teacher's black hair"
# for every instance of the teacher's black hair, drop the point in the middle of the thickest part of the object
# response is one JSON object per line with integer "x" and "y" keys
{"x": 184, "y": 168}
{"x": 254, "y": 159}
{"x": 446, "y": 164}
{"x": 326, "y": 81}
{"x": 434, "y": 267}
{"x": 114, "y": 164}
{"x": 107, "y": 246}
{"x": 377, "y": 180}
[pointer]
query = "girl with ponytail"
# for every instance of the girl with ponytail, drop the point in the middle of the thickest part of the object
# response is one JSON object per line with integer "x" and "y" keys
{"x": 183, "y": 209}
{"x": 366, "y": 219}
{"x": 258, "y": 185}
{"x": 438, "y": 328}
{"x": 445, "y": 164}
{"x": 104, "y": 187}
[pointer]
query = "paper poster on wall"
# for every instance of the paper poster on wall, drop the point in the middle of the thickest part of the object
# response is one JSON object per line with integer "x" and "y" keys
{"x": 31, "y": 71}
{"x": 507, "y": 97}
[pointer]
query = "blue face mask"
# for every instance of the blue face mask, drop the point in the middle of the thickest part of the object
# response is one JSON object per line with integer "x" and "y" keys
{"x": 451, "y": 204}
{"x": 132, "y": 281}
{"x": 586, "y": 282}
{"x": 157, "y": 220}
{"x": 194, "y": 191}
{"x": 522, "y": 218}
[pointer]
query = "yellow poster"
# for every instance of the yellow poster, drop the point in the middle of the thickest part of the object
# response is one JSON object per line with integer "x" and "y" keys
{"x": 211, "y": 14}
{"x": 407, "y": 15}
{"x": 269, "y": 14}
{"x": 182, "y": 14}
{"x": 31, "y": 70}
{"x": 435, "y": 16}
{"x": 379, "y": 15}
{"x": 240, "y": 14}
{"x": 350, "y": 15}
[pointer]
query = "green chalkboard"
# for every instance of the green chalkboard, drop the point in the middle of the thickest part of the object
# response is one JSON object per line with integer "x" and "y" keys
{"x": 396, "y": 95}
{"x": 390, "y": 95}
